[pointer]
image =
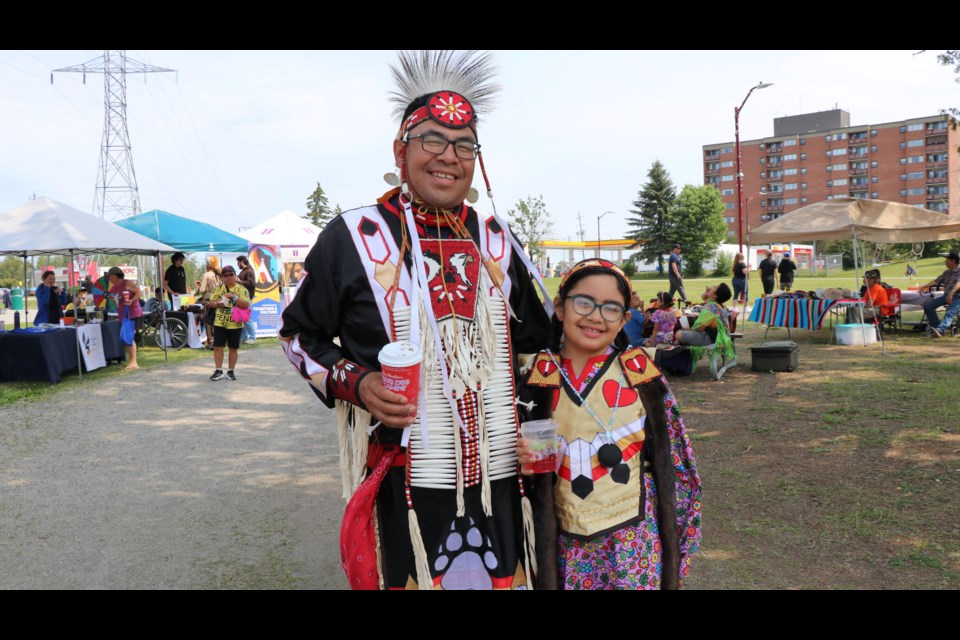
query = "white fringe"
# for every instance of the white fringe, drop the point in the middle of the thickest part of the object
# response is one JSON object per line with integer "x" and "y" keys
{"x": 529, "y": 540}
{"x": 424, "y": 579}
{"x": 484, "y": 458}
{"x": 353, "y": 445}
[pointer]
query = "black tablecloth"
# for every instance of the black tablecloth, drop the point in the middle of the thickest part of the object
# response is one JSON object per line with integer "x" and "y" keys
{"x": 46, "y": 356}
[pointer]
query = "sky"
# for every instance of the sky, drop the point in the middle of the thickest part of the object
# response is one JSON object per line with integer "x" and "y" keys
{"x": 234, "y": 137}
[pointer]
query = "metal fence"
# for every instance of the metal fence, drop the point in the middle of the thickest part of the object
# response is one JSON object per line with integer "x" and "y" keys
{"x": 825, "y": 264}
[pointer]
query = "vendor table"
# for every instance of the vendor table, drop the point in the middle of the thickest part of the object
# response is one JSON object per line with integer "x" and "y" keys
{"x": 792, "y": 312}
{"x": 28, "y": 354}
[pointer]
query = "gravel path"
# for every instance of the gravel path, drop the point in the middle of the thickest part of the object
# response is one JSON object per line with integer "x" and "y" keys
{"x": 166, "y": 480}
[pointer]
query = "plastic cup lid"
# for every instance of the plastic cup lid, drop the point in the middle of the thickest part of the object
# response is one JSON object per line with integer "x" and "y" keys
{"x": 534, "y": 428}
{"x": 400, "y": 354}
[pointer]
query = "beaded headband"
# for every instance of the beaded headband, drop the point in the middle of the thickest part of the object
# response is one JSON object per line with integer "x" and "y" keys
{"x": 597, "y": 263}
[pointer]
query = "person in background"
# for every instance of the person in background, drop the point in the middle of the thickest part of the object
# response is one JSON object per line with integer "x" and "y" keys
{"x": 875, "y": 295}
{"x": 664, "y": 319}
{"x": 157, "y": 302}
{"x": 675, "y": 272}
{"x": 48, "y": 303}
{"x": 248, "y": 279}
{"x": 207, "y": 284}
{"x": 175, "y": 278}
{"x": 634, "y": 326}
{"x": 768, "y": 272}
{"x": 787, "y": 269}
{"x": 740, "y": 275}
{"x": 226, "y": 332}
{"x": 128, "y": 308}
{"x": 712, "y": 326}
{"x": 949, "y": 280}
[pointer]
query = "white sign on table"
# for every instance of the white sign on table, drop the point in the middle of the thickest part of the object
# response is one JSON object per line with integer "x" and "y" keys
{"x": 91, "y": 346}
{"x": 194, "y": 332}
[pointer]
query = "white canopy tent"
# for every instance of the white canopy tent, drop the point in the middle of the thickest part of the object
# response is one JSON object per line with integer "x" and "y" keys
{"x": 284, "y": 229}
{"x": 858, "y": 219}
{"x": 47, "y": 227}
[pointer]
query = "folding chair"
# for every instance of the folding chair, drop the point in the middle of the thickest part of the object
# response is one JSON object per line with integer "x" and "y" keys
{"x": 891, "y": 317}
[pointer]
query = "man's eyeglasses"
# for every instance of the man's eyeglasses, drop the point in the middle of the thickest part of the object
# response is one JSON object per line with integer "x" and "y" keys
{"x": 437, "y": 144}
{"x": 609, "y": 311}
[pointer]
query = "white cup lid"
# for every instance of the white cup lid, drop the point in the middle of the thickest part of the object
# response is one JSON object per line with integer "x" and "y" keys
{"x": 400, "y": 354}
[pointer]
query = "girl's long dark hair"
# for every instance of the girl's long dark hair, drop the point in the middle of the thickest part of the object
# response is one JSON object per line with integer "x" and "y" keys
{"x": 622, "y": 341}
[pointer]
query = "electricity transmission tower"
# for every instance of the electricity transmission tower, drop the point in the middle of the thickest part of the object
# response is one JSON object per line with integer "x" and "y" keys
{"x": 116, "y": 195}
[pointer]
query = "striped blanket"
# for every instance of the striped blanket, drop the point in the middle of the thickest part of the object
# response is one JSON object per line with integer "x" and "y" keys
{"x": 786, "y": 312}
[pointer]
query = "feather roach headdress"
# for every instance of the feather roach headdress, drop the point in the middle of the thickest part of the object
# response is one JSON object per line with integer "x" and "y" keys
{"x": 449, "y": 87}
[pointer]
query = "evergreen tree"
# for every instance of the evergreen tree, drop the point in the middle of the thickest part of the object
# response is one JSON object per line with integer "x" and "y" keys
{"x": 318, "y": 208}
{"x": 651, "y": 223}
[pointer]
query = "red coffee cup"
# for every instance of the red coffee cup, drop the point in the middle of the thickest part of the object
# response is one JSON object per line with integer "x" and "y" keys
{"x": 126, "y": 296}
{"x": 400, "y": 367}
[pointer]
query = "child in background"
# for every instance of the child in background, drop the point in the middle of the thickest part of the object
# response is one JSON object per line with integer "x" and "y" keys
{"x": 627, "y": 493}
{"x": 664, "y": 321}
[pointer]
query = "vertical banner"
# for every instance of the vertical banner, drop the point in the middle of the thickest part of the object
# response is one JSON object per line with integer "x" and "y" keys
{"x": 292, "y": 258}
{"x": 265, "y": 260}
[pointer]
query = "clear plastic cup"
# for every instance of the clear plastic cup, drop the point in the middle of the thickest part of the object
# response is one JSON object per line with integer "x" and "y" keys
{"x": 541, "y": 437}
{"x": 400, "y": 368}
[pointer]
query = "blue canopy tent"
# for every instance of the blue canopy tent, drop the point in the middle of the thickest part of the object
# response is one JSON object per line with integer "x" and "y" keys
{"x": 183, "y": 234}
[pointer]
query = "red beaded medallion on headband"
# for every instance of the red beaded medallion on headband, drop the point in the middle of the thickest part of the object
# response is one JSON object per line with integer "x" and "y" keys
{"x": 445, "y": 107}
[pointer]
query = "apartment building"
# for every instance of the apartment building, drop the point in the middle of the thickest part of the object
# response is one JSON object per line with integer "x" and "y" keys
{"x": 819, "y": 156}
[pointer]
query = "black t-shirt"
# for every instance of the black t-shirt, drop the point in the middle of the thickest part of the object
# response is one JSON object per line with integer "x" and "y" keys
{"x": 740, "y": 270}
{"x": 786, "y": 269}
{"x": 767, "y": 268}
{"x": 176, "y": 278}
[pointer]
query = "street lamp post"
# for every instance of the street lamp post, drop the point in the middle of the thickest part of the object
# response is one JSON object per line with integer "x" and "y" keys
{"x": 598, "y": 231}
{"x": 736, "y": 127}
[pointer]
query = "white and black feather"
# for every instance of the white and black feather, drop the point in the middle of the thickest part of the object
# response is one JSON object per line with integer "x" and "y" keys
{"x": 469, "y": 73}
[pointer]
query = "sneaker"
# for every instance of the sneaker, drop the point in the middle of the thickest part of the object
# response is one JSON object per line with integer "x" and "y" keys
{"x": 231, "y": 375}
{"x": 249, "y": 341}
{"x": 934, "y": 332}
{"x": 217, "y": 375}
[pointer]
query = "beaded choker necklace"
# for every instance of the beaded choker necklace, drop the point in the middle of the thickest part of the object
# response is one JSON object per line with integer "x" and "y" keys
{"x": 609, "y": 454}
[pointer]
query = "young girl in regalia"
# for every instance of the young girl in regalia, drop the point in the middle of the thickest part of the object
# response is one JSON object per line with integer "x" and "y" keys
{"x": 627, "y": 493}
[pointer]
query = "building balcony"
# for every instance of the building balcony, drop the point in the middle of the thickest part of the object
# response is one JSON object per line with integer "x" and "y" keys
{"x": 858, "y": 172}
{"x": 773, "y": 148}
{"x": 774, "y": 208}
{"x": 711, "y": 155}
{"x": 936, "y": 146}
{"x": 936, "y": 197}
{"x": 774, "y": 163}
{"x": 936, "y": 163}
{"x": 711, "y": 172}
{"x": 937, "y": 180}
{"x": 859, "y": 154}
{"x": 857, "y": 140}
{"x": 938, "y": 131}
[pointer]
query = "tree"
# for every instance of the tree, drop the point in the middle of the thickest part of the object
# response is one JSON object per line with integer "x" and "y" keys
{"x": 652, "y": 215}
{"x": 531, "y": 222}
{"x": 697, "y": 224}
{"x": 318, "y": 208}
{"x": 949, "y": 58}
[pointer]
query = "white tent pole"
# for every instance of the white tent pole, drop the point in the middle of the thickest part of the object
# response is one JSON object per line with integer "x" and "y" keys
{"x": 163, "y": 309}
{"x": 76, "y": 326}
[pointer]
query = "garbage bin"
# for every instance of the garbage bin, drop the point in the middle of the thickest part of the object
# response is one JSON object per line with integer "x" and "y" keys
{"x": 16, "y": 298}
